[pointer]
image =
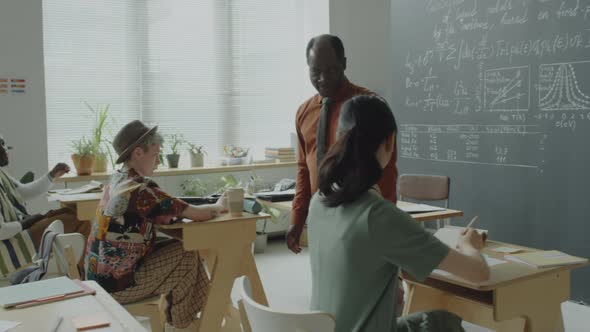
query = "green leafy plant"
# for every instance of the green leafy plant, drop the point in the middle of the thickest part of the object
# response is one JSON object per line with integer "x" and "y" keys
{"x": 161, "y": 157}
{"x": 196, "y": 149}
{"x": 102, "y": 124}
{"x": 176, "y": 142}
{"x": 83, "y": 147}
{"x": 193, "y": 187}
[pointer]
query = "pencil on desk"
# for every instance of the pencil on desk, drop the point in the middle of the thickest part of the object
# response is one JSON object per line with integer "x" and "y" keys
{"x": 471, "y": 222}
{"x": 57, "y": 324}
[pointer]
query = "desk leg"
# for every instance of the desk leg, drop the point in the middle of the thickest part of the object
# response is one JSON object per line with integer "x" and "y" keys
{"x": 251, "y": 272}
{"x": 538, "y": 300}
{"x": 543, "y": 320}
{"x": 225, "y": 270}
{"x": 422, "y": 298}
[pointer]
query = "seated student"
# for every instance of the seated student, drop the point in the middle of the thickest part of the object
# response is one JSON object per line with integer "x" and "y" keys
{"x": 21, "y": 232}
{"x": 122, "y": 254}
{"x": 358, "y": 241}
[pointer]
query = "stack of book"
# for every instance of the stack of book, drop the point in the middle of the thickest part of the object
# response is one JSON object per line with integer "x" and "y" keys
{"x": 283, "y": 155}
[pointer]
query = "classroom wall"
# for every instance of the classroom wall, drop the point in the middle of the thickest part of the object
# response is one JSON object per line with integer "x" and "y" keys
{"x": 364, "y": 29}
{"x": 22, "y": 116}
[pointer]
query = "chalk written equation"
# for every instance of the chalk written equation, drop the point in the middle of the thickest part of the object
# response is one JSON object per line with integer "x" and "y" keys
{"x": 503, "y": 145}
{"x": 500, "y": 61}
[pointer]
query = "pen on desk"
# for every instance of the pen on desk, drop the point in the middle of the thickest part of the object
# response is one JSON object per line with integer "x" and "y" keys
{"x": 57, "y": 324}
{"x": 472, "y": 221}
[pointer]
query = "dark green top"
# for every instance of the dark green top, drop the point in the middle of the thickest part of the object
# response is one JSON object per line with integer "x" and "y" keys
{"x": 356, "y": 251}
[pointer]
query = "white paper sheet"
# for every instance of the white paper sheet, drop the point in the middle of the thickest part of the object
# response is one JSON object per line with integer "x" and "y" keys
{"x": 6, "y": 325}
{"x": 507, "y": 250}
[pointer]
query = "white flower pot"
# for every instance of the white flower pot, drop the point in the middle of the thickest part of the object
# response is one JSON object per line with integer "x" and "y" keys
{"x": 260, "y": 243}
{"x": 197, "y": 159}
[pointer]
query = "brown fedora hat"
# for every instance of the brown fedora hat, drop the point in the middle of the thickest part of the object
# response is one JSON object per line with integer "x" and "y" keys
{"x": 130, "y": 137}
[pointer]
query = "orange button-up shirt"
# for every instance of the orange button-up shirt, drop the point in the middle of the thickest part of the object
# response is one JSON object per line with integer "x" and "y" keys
{"x": 307, "y": 120}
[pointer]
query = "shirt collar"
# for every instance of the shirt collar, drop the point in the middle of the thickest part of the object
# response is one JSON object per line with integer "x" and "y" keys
{"x": 342, "y": 94}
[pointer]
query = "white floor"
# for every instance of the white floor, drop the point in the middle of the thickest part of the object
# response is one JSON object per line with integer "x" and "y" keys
{"x": 287, "y": 282}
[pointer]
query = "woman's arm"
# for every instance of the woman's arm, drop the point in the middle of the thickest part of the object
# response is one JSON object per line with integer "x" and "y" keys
{"x": 207, "y": 211}
{"x": 466, "y": 260}
{"x": 9, "y": 229}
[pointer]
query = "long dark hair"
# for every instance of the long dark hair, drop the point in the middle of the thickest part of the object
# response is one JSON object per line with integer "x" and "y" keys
{"x": 351, "y": 167}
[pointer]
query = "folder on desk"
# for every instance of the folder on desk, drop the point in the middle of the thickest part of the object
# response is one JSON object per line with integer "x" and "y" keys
{"x": 39, "y": 292}
{"x": 420, "y": 208}
{"x": 549, "y": 258}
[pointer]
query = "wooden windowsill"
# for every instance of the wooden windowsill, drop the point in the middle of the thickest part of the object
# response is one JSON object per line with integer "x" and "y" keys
{"x": 181, "y": 171}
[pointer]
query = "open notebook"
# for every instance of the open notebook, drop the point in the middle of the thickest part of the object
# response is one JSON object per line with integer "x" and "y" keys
{"x": 38, "y": 292}
{"x": 91, "y": 187}
{"x": 418, "y": 208}
{"x": 547, "y": 258}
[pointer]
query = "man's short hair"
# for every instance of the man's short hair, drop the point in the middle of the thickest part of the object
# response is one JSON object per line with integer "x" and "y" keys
{"x": 334, "y": 41}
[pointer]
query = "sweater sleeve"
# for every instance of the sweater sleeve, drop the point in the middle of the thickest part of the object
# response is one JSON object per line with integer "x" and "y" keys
{"x": 9, "y": 229}
{"x": 35, "y": 188}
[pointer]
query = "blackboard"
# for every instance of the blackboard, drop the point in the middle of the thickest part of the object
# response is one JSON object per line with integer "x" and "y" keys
{"x": 496, "y": 95}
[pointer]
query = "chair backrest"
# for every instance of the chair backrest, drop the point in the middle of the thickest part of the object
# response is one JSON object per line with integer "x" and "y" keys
{"x": 261, "y": 318}
{"x": 424, "y": 187}
{"x": 67, "y": 251}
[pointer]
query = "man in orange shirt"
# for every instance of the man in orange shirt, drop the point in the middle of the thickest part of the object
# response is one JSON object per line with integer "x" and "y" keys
{"x": 316, "y": 124}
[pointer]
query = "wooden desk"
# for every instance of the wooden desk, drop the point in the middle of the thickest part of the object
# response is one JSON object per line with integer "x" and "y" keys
{"x": 517, "y": 297}
{"x": 421, "y": 217}
{"x": 424, "y": 216}
{"x": 226, "y": 244}
{"x": 84, "y": 204}
{"x": 42, "y": 317}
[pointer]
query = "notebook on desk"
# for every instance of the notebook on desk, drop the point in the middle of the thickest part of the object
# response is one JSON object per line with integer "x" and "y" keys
{"x": 419, "y": 208}
{"x": 549, "y": 258}
{"x": 38, "y": 292}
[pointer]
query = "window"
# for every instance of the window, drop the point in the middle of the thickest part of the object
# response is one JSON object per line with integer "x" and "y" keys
{"x": 217, "y": 71}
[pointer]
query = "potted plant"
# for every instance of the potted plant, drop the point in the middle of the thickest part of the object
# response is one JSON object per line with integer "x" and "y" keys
{"x": 235, "y": 155}
{"x": 197, "y": 153}
{"x": 101, "y": 145}
{"x": 176, "y": 142}
{"x": 193, "y": 187}
{"x": 261, "y": 235}
{"x": 83, "y": 156}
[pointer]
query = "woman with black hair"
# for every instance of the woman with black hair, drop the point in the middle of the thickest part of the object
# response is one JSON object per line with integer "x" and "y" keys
{"x": 358, "y": 241}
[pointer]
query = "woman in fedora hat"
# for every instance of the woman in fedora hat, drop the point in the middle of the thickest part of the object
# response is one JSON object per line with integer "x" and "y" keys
{"x": 122, "y": 254}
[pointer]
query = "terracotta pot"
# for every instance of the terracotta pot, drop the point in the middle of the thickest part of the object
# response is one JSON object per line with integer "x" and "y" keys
{"x": 100, "y": 165}
{"x": 83, "y": 164}
{"x": 197, "y": 159}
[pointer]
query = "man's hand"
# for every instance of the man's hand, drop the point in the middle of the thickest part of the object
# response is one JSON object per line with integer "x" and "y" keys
{"x": 59, "y": 170}
{"x": 471, "y": 238}
{"x": 31, "y": 220}
{"x": 293, "y": 236}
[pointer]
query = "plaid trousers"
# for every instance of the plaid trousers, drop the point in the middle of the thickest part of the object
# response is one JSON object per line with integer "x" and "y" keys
{"x": 175, "y": 273}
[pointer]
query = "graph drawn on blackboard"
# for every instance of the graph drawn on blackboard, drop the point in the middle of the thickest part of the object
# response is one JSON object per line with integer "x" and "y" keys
{"x": 560, "y": 89}
{"x": 507, "y": 89}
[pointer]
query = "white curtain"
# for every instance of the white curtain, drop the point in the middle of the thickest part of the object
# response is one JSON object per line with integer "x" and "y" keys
{"x": 216, "y": 71}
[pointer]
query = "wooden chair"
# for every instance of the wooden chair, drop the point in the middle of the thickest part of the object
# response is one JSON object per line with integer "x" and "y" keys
{"x": 66, "y": 252}
{"x": 154, "y": 308}
{"x": 425, "y": 188}
{"x": 259, "y": 318}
